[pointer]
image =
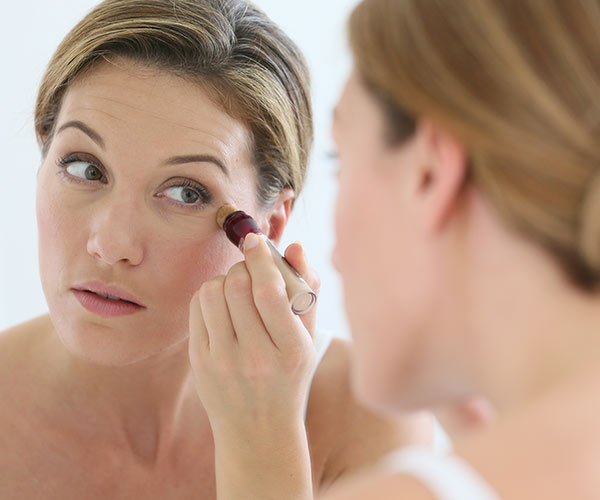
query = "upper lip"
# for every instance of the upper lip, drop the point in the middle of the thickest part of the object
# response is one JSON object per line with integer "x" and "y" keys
{"x": 101, "y": 288}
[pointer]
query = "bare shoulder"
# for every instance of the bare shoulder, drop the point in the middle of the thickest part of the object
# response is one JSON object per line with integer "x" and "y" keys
{"x": 18, "y": 344}
{"x": 346, "y": 435}
{"x": 19, "y": 336}
{"x": 550, "y": 448}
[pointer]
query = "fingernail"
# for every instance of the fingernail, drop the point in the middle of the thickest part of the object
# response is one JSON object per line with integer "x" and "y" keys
{"x": 251, "y": 241}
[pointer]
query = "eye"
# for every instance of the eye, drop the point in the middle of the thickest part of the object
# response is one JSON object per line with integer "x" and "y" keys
{"x": 187, "y": 192}
{"x": 183, "y": 194}
{"x": 85, "y": 170}
{"x": 82, "y": 169}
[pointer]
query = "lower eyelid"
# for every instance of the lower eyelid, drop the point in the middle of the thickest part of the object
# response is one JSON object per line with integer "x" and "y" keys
{"x": 186, "y": 206}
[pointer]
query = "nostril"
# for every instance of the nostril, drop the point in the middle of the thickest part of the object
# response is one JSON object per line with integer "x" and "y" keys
{"x": 113, "y": 250}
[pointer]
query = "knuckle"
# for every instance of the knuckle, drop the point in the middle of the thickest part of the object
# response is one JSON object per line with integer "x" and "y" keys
{"x": 270, "y": 291}
{"x": 211, "y": 289}
{"x": 238, "y": 282}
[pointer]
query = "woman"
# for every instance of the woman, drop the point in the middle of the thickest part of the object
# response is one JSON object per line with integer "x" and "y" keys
{"x": 470, "y": 131}
{"x": 151, "y": 115}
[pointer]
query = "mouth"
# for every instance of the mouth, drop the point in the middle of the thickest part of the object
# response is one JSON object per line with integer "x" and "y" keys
{"x": 110, "y": 297}
{"x": 106, "y": 301}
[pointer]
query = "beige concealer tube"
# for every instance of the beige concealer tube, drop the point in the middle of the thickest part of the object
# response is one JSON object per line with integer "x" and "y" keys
{"x": 237, "y": 224}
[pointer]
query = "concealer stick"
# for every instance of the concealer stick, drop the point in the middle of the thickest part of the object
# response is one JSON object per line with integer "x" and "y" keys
{"x": 237, "y": 224}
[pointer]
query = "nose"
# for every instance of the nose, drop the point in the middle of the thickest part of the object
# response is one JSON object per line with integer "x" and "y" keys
{"x": 114, "y": 234}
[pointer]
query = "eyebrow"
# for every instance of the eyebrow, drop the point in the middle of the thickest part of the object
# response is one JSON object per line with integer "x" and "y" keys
{"x": 91, "y": 133}
{"x": 174, "y": 160}
{"x": 179, "y": 160}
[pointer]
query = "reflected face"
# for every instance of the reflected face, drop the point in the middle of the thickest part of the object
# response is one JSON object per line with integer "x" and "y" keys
{"x": 378, "y": 252}
{"x": 139, "y": 163}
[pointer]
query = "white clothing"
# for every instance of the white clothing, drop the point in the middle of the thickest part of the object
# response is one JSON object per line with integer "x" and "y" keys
{"x": 441, "y": 441}
{"x": 446, "y": 475}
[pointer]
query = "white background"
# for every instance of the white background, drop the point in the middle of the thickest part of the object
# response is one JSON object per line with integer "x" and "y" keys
{"x": 30, "y": 30}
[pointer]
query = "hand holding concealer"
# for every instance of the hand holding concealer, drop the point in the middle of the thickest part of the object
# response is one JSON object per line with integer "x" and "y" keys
{"x": 237, "y": 224}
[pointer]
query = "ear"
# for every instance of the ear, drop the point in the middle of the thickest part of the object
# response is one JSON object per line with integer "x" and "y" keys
{"x": 277, "y": 216}
{"x": 442, "y": 175}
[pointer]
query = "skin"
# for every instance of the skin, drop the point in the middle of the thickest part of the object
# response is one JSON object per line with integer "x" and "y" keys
{"x": 201, "y": 393}
{"x": 533, "y": 355}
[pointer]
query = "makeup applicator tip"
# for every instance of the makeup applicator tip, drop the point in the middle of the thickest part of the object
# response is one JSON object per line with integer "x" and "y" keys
{"x": 224, "y": 212}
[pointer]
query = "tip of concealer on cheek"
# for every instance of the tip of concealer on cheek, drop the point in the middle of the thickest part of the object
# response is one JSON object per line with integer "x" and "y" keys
{"x": 224, "y": 212}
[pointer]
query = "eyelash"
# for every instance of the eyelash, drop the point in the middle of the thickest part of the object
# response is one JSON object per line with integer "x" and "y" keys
{"x": 204, "y": 195}
{"x": 64, "y": 161}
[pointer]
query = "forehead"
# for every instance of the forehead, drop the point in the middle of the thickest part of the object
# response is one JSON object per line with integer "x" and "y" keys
{"x": 139, "y": 103}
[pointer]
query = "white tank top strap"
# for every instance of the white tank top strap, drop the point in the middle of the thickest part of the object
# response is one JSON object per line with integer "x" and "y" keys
{"x": 322, "y": 340}
{"x": 447, "y": 476}
{"x": 442, "y": 443}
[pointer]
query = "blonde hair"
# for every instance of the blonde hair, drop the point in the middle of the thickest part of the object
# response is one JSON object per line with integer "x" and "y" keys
{"x": 518, "y": 82}
{"x": 253, "y": 70}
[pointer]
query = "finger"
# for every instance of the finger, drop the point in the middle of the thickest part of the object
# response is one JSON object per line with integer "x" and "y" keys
{"x": 269, "y": 292}
{"x": 296, "y": 256}
{"x": 245, "y": 318}
{"x": 199, "y": 341}
{"x": 221, "y": 335}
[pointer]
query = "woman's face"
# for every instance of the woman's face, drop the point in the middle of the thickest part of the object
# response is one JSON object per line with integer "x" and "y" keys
{"x": 381, "y": 251}
{"x": 139, "y": 163}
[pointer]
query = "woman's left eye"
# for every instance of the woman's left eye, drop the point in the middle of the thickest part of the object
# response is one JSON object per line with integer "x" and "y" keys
{"x": 188, "y": 194}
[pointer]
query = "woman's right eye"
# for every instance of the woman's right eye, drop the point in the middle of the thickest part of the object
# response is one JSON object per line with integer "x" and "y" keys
{"x": 81, "y": 169}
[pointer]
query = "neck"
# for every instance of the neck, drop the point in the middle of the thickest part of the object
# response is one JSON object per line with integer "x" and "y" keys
{"x": 143, "y": 408}
{"x": 534, "y": 329}
{"x": 542, "y": 337}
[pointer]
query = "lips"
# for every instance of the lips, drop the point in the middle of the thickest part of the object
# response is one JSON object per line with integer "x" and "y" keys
{"x": 110, "y": 292}
{"x": 106, "y": 301}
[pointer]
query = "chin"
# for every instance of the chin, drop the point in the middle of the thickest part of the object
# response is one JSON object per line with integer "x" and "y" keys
{"x": 111, "y": 347}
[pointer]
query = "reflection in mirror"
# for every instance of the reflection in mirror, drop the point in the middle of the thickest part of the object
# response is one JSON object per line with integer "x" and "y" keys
{"x": 169, "y": 364}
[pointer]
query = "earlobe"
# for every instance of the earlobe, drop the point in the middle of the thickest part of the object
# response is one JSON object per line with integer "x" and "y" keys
{"x": 278, "y": 215}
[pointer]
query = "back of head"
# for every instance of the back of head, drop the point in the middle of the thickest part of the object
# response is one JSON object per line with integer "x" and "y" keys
{"x": 231, "y": 48}
{"x": 517, "y": 81}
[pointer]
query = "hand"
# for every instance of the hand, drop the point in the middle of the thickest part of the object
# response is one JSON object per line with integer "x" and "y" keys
{"x": 252, "y": 358}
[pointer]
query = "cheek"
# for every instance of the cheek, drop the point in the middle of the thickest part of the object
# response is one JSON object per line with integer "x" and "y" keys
{"x": 362, "y": 255}
{"x": 364, "y": 232}
{"x": 376, "y": 245}
{"x": 351, "y": 218}
{"x": 59, "y": 228}
{"x": 203, "y": 260}
{"x": 182, "y": 266}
